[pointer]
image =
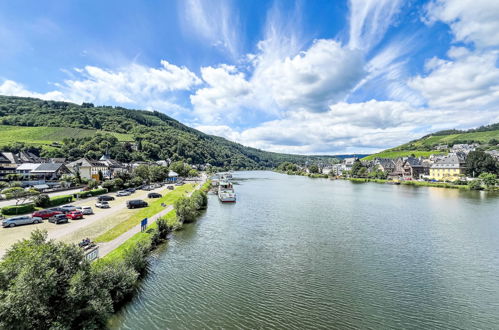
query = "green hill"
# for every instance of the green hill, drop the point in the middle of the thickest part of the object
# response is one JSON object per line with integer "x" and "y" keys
{"x": 486, "y": 136}
{"x": 129, "y": 135}
{"x": 48, "y": 135}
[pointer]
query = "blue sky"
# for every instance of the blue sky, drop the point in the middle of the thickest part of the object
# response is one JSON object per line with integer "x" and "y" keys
{"x": 308, "y": 77}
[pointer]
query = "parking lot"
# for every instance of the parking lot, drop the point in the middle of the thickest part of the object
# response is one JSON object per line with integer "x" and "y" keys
{"x": 75, "y": 230}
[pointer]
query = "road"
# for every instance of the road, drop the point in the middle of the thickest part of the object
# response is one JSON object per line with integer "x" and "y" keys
{"x": 74, "y": 231}
{"x": 58, "y": 193}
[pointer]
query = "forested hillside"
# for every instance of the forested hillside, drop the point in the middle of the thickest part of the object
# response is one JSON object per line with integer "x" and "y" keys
{"x": 154, "y": 135}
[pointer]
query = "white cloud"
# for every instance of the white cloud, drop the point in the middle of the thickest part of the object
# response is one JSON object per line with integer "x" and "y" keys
{"x": 132, "y": 84}
{"x": 227, "y": 92}
{"x": 313, "y": 79}
{"x": 213, "y": 21}
{"x": 471, "y": 81}
{"x": 12, "y": 88}
{"x": 369, "y": 20}
{"x": 473, "y": 21}
{"x": 347, "y": 128}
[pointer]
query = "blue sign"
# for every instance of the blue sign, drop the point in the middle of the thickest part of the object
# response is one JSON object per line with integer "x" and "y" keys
{"x": 143, "y": 224}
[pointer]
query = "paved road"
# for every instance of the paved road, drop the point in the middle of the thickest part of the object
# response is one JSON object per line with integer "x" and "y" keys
{"x": 106, "y": 247}
{"x": 58, "y": 193}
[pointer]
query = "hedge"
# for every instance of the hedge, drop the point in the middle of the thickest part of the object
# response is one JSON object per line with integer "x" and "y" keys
{"x": 19, "y": 209}
{"x": 58, "y": 200}
{"x": 94, "y": 192}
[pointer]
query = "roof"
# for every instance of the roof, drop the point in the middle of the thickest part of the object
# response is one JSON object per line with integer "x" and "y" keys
{"x": 413, "y": 162}
{"x": 385, "y": 162}
{"x": 27, "y": 166}
{"x": 171, "y": 173}
{"x": 11, "y": 157}
{"x": 450, "y": 161}
{"x": 47, "y": 167}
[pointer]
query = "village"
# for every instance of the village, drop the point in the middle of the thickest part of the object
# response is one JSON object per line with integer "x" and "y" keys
{"x": 438, "y": 167}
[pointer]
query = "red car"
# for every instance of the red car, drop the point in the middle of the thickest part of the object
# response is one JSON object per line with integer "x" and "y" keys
{"x": 74, "y": 215}
{"x": 45, "y": 214}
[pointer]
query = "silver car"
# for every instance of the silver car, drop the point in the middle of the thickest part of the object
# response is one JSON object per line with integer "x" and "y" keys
{"x": 68, "y": 208}
{"x": 21, "y": 220}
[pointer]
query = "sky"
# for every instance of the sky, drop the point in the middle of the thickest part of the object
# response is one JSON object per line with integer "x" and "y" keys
{"x": 304, "y": 77}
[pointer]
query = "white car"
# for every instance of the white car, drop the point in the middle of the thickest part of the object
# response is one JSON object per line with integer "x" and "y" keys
{"x": 102, "y": 205}
{"x": 86, "y": 210}
{"x": 123, "y": 193}
{"x": 21, "y": 220}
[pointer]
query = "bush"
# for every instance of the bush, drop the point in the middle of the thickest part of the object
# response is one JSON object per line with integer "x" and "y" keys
{"x": 475, "y": 184}
{"x": 96, "y": 192}
{"x": 84, "y": 194}
{"x": 117, "y": 279}
{"x": 59, "y": 200}
{"x": 137, "y": 257}
{"x": 18, "y": 209}
{"x": 42, "y": 200}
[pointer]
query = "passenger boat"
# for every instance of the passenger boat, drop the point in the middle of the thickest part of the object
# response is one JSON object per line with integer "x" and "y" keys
{"x": 226, "y": 192}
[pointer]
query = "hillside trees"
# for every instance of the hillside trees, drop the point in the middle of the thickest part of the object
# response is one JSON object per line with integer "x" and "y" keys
{"x": 479, "y": 162}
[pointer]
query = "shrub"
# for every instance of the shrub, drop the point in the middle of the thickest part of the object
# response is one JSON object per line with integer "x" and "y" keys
{"x": 136, "y": 257}
{"x": 18, "y": 209}
{"x": 59, "y": 200}
{"x": 117, "y": 279}
{"x": 84, "y": 194}
{"x": 42, "y": 200}
{"x": 475, "y": 184}
{"x": 96, "y": 192}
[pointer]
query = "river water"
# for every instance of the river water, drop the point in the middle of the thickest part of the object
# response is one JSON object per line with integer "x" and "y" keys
{"x": 301, "y": 253}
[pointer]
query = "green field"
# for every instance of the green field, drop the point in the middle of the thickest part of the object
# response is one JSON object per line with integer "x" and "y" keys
{"x": 401, "y": 153}
{"x": 483, "y": 137}
{"x": 48, "y": 135}
{"x": 419, "y": 147}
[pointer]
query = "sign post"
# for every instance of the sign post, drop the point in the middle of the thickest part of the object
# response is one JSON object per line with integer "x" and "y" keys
{"x": 143, "y": 225}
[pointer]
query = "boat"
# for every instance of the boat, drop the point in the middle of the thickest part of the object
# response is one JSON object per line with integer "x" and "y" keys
{"x": 226, "y": 192}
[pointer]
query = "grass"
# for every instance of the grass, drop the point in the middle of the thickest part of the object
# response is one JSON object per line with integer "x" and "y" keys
{"x": 404, "y": 150}
{"x": 154, "y": 208}
{"x": 414, "y": 183}
{"x": 48, "y": 135}
{"x": 401, "y": 153}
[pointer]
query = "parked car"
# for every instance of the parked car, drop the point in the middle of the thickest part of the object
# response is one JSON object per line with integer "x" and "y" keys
{"x": 179, "y": 184}
{"x": 106, "y": 198}
{"x": 56, "y": 209}
{"x": 131, "y": 190}
{"x": 154, "y": 195}
{"x": 87, "y": 210}
{"x": 59, "y": 218}
{"x": 68, "y": 208}
{"x": 74, "y": 215}
{"x": 136, "y": 203}
{"x": 21, "y": 220}
{"x": 170, "y": 187}
{"x": 147, "y": 188}
{"x": 45, "y": 214}
{"x": 102, "y": 205}
{"x": 123, "y": 193}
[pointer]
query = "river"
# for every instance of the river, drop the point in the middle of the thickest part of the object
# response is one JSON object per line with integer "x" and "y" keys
{"x": 301, "y": 253}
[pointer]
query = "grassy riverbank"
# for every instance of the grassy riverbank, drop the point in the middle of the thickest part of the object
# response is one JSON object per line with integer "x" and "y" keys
{"x": 302, "y": 173}
{"x": 154, "y": 208}
{"x": 414, "y": 183}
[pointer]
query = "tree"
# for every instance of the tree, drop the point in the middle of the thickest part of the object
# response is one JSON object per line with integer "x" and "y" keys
{"x": 185, "y": 210}
{"x": 479, "y": 162}
{"x": 42, "y": 200}
{"x": 21, "y": 195}
{"x": 181, "y": 168}
{"x": 193, "y": 173}
{"x": 48, "y": 284}
{"x": 475, "y": 184}
{"x": 142, "y": 171}
{"x": 489, "y": 179}
{"x": 313, "y": 168}
{"x": 92, "y": 184}
{"x": 357, "y": 165}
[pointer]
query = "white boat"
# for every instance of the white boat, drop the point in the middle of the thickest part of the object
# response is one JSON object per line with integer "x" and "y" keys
{"x": 226, "y": 192}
